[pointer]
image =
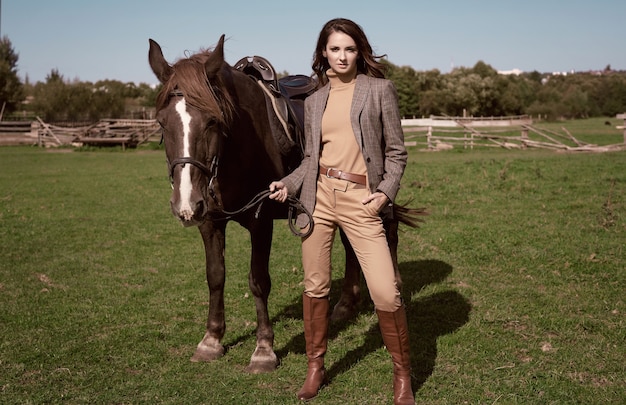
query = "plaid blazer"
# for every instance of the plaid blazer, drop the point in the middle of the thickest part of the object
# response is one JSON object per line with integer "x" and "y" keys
{"x": 376, "y": 125}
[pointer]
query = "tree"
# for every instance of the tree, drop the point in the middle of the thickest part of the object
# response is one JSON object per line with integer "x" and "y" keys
{"x": 484, "y": 70}
{"x": 404, "y": 78}
{"x": 514, "y": 94}
{"x": 49, "y": 98}
{"x": 607, "y": 94}
{"x": 58, "y": 100}
{"x": 11, "y": 89}
{"x": 429, "y": 84}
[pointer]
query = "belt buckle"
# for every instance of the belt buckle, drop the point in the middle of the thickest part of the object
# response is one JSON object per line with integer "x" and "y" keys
{"x": 328, "y": 175}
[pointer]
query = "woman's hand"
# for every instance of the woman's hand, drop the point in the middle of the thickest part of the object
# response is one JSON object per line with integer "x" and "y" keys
{"x": 279, "y": 191}
{"x": 377, "y": 199}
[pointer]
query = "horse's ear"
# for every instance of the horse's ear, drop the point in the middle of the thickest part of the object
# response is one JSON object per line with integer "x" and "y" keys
{"x": 216, "y": 59}
{"x": 159, "y": 65}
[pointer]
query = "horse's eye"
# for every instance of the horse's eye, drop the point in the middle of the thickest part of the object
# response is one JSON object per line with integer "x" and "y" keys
{"x": 211, "y": 123}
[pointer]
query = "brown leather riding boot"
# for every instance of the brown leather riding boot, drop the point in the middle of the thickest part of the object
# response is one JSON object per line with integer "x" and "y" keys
{"x": 315, "y": 314}
{"x": 393, "y": 327}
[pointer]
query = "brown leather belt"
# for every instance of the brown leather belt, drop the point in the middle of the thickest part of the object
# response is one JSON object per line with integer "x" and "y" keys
{"x": 339, "y": 174}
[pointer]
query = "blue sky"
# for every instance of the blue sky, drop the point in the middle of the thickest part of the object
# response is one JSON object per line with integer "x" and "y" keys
{"x": 96, "y": 40}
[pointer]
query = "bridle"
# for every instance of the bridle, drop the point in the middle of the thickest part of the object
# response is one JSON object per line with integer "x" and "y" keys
{"x": 210, "y": 172}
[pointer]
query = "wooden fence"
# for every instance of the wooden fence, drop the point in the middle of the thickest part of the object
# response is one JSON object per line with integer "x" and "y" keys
{"x": 434, "y": 133}
{"x": 622, "y": 127}
{"x": 517, "y": 132}
{"x": 18, "y": 133}
{"x": 106, "y": 132}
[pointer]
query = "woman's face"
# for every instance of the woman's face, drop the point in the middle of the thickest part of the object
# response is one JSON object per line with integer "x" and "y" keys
{"x": 342, "y": 54}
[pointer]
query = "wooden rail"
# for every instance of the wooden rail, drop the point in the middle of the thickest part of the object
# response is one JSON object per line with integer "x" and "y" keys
{"x": 124, "y": 142}
{"x": 18, "y": 133}
{"x": 107, "y": 132}
{"x": 530, "y": 137}
{"x": 435, "y": 133}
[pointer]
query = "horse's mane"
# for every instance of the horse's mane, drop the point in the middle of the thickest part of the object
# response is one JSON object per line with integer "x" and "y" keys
{"x": 189, "y": 77}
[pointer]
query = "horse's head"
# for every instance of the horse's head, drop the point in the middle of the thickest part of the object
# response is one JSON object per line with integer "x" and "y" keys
{"x": 194, "y": 110}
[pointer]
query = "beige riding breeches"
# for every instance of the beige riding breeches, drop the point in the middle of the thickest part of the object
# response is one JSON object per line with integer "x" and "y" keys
{"x": 338, "y": 204}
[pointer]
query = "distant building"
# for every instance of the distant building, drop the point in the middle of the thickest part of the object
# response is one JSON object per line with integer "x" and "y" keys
{"x": 571, "y": 72}
{"x": 515, "y": 72}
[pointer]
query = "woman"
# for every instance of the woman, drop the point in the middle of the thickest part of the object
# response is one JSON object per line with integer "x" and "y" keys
{"x": 354, "y": 160}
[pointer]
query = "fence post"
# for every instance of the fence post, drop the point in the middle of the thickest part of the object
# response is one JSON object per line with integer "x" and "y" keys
{"x": 34, "y": 130}
{"x": 623, "y": 116}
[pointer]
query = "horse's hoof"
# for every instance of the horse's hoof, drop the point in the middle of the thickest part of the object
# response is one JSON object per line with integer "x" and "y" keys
{"x": 205, "y": 357}
{"x": 262, "y": 361}
{"x": 260, "y": 367}
{"x": 205, "y": 353}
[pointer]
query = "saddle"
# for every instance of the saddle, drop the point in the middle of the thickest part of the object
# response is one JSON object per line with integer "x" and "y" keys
{"x": 285, "y": 100}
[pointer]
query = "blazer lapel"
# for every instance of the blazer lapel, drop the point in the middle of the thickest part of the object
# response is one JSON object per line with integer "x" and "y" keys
{"x": 318, "y": 112}
{"x": 361, "y": 91}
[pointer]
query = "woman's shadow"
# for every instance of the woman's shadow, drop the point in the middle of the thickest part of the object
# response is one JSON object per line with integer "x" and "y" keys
{"x": 428, "y": 317}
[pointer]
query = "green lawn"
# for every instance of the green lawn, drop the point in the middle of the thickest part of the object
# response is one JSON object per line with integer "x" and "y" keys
{"x": 514, "y": 286}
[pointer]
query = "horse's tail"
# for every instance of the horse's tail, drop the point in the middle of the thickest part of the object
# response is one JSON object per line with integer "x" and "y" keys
{"x": 408, "y": 215}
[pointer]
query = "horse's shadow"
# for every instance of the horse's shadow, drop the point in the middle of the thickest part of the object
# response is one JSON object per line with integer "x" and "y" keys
{"x": 428, "y": 318}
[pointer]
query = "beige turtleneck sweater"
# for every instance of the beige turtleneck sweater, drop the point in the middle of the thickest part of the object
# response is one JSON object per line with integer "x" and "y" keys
{"x": 339, "y": 147}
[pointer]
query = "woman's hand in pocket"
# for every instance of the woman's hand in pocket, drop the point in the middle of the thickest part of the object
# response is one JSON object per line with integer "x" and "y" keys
{"x": 376, "y": 201}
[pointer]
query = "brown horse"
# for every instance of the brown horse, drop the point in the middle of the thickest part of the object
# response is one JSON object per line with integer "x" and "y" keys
{"x": 221, "y": 155}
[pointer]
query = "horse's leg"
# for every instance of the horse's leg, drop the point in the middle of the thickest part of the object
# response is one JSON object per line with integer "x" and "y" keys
{"x": 346, "y": 307}
{"x": 263, "y": 359}
{"x": 213, "y": 236}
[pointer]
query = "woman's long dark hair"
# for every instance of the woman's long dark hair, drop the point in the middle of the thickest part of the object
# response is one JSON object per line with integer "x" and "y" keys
{"x": 367, "y": 62}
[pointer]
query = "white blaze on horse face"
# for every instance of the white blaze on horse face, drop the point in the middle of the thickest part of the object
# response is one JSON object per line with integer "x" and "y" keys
{"x": 185, "y": 187}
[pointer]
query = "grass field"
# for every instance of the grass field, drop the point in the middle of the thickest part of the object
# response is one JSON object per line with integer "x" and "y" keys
{"x": 515, "y": 286}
